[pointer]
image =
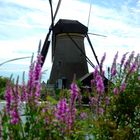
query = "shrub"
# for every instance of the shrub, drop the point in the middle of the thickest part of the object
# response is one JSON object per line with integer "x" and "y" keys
{"x": 119, "y": 114}
{"x": 113, "y": 112}
{"x": 3, "y": 81}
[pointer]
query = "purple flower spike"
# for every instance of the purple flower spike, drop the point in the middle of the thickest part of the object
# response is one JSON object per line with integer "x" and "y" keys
{"x": 127, "y": 63}
{"x": 123, "y": 59}
{"x": 99, "y": 84}
{"x": 113, "y": 68}
{"x": 107, "y": 100}
{"x": 116, "y": 91}
{"x": 74, "y": 94}
{"x": 92, "y": 82}
{"x": 113, "y": 71}
{"x": 96, "y": 72}
{"x": 115, "y": 59}
{"x": 66, "y": 113}
{"x": 31, "y": 79}
{"x": 123, "y": 87}
{"x": 83, "y": 115}
{"x": 37, "y": 71}
{"x": 24, "y": 94}
{"x": 102, "y": 61}
{"x": 14, "y": 116}
{"x": 34, "y": 86}
{"x": 8, "y": 97}
{"x": 100, "y": 111}
{"x": 61, "y": 110}
{"x": 132, "y": 68}
{"x": 37, "y": 93}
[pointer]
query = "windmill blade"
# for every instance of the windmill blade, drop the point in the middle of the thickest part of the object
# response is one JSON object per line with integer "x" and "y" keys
{"x": 45, "y": 51}
{"x": 92, "y": 49}
{"x": 56, "y": 11}
{"x": 50, "y": 1}
{"x": 14, "y": 60}
{"x": 39, "y": 47}
{"x": 78, "y": 47}
{"x": 97, "y": 34}
{"x": 46, "y": 45}
{"x": 89, "y": 14}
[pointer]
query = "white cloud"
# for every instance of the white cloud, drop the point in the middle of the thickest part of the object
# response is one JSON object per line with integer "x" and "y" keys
{"x": 32, "y": 4}
{"x": 123, "y": 32}
{"x": 74, "y": 9}
{"x": 10, "y": 49}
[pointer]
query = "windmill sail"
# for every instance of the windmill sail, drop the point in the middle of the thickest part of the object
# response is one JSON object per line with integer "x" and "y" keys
{"x": 46, "y": 45}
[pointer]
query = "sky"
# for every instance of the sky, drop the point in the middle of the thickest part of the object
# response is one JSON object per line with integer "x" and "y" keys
{"x": 23, "y": 23}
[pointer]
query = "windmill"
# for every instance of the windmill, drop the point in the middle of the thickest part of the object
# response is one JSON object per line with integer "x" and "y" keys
{"x": 68, "y": 50}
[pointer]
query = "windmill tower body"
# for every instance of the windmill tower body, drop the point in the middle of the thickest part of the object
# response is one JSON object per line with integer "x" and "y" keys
{"x": 67, "y": 52}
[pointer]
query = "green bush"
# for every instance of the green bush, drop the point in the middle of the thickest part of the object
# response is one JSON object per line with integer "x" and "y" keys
{"x": 113, "y": 112}
{"x": 3, "y": 82}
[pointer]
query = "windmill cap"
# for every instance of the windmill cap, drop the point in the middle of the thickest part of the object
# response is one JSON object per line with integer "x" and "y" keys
{"x": 69, "y": 26}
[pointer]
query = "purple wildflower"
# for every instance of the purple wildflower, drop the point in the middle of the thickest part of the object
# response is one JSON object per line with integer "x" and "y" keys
{"x": 100, "y": 111}
{"x": 123, "y": 87}
{"x": 31, "y": 80}
{"x": 12, "y": 102}
{"x": 115, "y": 59}
{"x": 123, "y": 59}
{"x": 14, "y": 116}
{"x": 37, "y": 71}
{"x": 107, "y": 100}
{"x": 61, "y": 110}
{"x": 47, "y": 120}
{"x": 16, "y": 95}
{"x": 93, "y": 101}
{"x": 137, "y": 59}
{"x": 37, "y": 92}
{"x": 102, "y": 61}
{"x": 34, "y": 80}
{"x": 8, "y": 97}
{"x": 98, "y": 81}
{"x": 71, "y": 113}
{"x": 79, "y": 99}
{"x": 96, "y": 72}
{"x": 24, "y": 94}
{"x": 103, "y": 73}
{"x": 83, "y": 115}
{"x": 132, "y": 68}
{"x": 92, "y": 82}
{"x": 113, "y": 71}
{"x": 116, "y": 91}
{"x": 127, "y": 63}
{"x": 113, "y": 67}
{"x": 65, "y": 114}
{"x": 99, "y": 84}
{"x": 74, "y": 94}
{"x": 37, "y": 77}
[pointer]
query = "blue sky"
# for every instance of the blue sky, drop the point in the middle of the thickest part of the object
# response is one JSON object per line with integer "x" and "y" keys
{"x": 23, "y": 23}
